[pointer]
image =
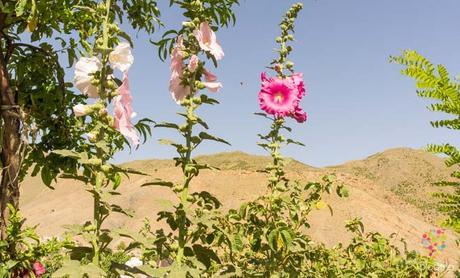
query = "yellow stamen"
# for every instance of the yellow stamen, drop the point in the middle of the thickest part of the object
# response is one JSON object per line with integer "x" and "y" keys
{"x": 279, "y": 97}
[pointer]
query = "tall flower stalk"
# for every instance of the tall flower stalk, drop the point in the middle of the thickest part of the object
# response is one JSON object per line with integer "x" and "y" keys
{"x": 266, "y": 237}
{"x": 185, "y": 250}
{"x": 95, "y": 78}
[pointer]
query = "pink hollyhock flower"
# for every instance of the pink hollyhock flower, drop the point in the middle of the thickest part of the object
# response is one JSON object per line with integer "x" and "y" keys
{"x": 121, "y": 58}
{"x": 299, "y": 115}
{"x": 176, "y": 88}
{"x": 297, "y": 79}
{"x": 281, "y": 96}
{"x": 123, "y": 112}
{"x": 84, "y": 69}
{"x": 81, "y": 110}
{"x": 208, "y": 41}
{"x": 209, "y": 76}
{"x": 38, "y": 269}
{"x": 193, "y": 63}
{"x": 213, "y": 86}
{"x": 278, "y": 97}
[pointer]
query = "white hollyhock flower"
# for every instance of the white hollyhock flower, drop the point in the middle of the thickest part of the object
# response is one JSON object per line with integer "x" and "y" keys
{"x": 121, "y": 57}
{"x": 133, "y": 262}
{"x": 81, "y": 110}
{"x": 84, "y": 69}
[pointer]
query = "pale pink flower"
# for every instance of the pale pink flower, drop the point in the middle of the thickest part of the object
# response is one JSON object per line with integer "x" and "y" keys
{"x": 177, "y": 89}
{"x": 213, "y": 86}
{"x": 84, "y": 69}
{"x": 123, "y": 112}
{"x": 177, "y": 57}
{"x": 121, "y": 58}
{"x": 193, "y": 63}
{"x": 208, "y": 41}
{"x": 81, "y": 110}
{"x": 209, "y": 76}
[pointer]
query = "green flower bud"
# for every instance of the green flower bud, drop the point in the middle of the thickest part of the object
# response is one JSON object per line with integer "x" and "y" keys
{"x": 188, "y": 24}
{"x": 106, "y": 168}
{"x": 279, "y": 40}
{"x": 200, "y": 85}
{"x": 196, "y": 100}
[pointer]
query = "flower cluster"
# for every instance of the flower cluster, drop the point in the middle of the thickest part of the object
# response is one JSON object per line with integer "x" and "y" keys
{"x": 434, "y": 241}
{"x": 85, "y": 69}
{"x": 281, "y": 96}
{"x": 178, "y": 84}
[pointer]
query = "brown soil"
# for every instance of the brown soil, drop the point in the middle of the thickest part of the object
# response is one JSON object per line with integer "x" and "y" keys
{"x": 390, "y": 191}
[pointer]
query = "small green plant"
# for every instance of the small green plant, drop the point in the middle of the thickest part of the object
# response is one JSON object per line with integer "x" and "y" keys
{"x": 23, "y": 252}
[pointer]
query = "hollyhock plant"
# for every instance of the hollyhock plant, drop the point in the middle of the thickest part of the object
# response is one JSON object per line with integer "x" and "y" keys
{"x": 208, "y": 41}
{"x": 83, "y": 79}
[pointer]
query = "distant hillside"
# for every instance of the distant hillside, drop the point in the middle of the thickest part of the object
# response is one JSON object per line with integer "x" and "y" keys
{"x": 403, "y": 177}
{"x": 389, "y": 190}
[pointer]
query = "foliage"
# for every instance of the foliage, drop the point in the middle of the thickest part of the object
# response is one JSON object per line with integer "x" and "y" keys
{"x": 369, "y": 255}
{"x": 434, "y": 82}
{"x": 99, "y": 33}
{"x": 22, "y": 248}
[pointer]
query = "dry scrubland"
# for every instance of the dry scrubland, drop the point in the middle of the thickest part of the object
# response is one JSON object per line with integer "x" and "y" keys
{"x": 389, "y": 190}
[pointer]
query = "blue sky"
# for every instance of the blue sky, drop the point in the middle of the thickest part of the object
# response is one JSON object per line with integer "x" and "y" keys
{"x": 357, "y": 102}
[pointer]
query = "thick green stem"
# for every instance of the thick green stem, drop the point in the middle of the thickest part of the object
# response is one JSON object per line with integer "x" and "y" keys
{"x": 97, "y": 223}
{"x": 184, "y": 194}
{"x": 97, "y": 216}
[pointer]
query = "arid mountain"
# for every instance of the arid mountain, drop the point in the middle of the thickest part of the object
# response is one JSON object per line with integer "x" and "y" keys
{"x": 389, "y": 190}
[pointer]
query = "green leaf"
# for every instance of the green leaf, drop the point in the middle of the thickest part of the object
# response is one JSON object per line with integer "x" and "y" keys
{"x": 167, "y": 125}
{"x": 205, "y": 136}
{"x": 20, "y": 7}
{"x": 290, "y": 141}
{"x": 159, "y": 183}
{"x": 67, "y": 153}
{"x": 205, "y": 255}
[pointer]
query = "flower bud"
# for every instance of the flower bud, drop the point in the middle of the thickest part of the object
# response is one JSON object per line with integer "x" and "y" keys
{"x": 196, "y": 100}
{"x": 200, "y": 85}
{"x": 81, "y": 110}
{"x": 188, "y": 24}
{"x": 106, "y": 168}
{"x": 279, "y": 40}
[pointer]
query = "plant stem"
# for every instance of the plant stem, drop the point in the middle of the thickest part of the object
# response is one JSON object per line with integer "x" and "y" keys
{"x": 188, "y": 177}
{"x": 97, "y": 217}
